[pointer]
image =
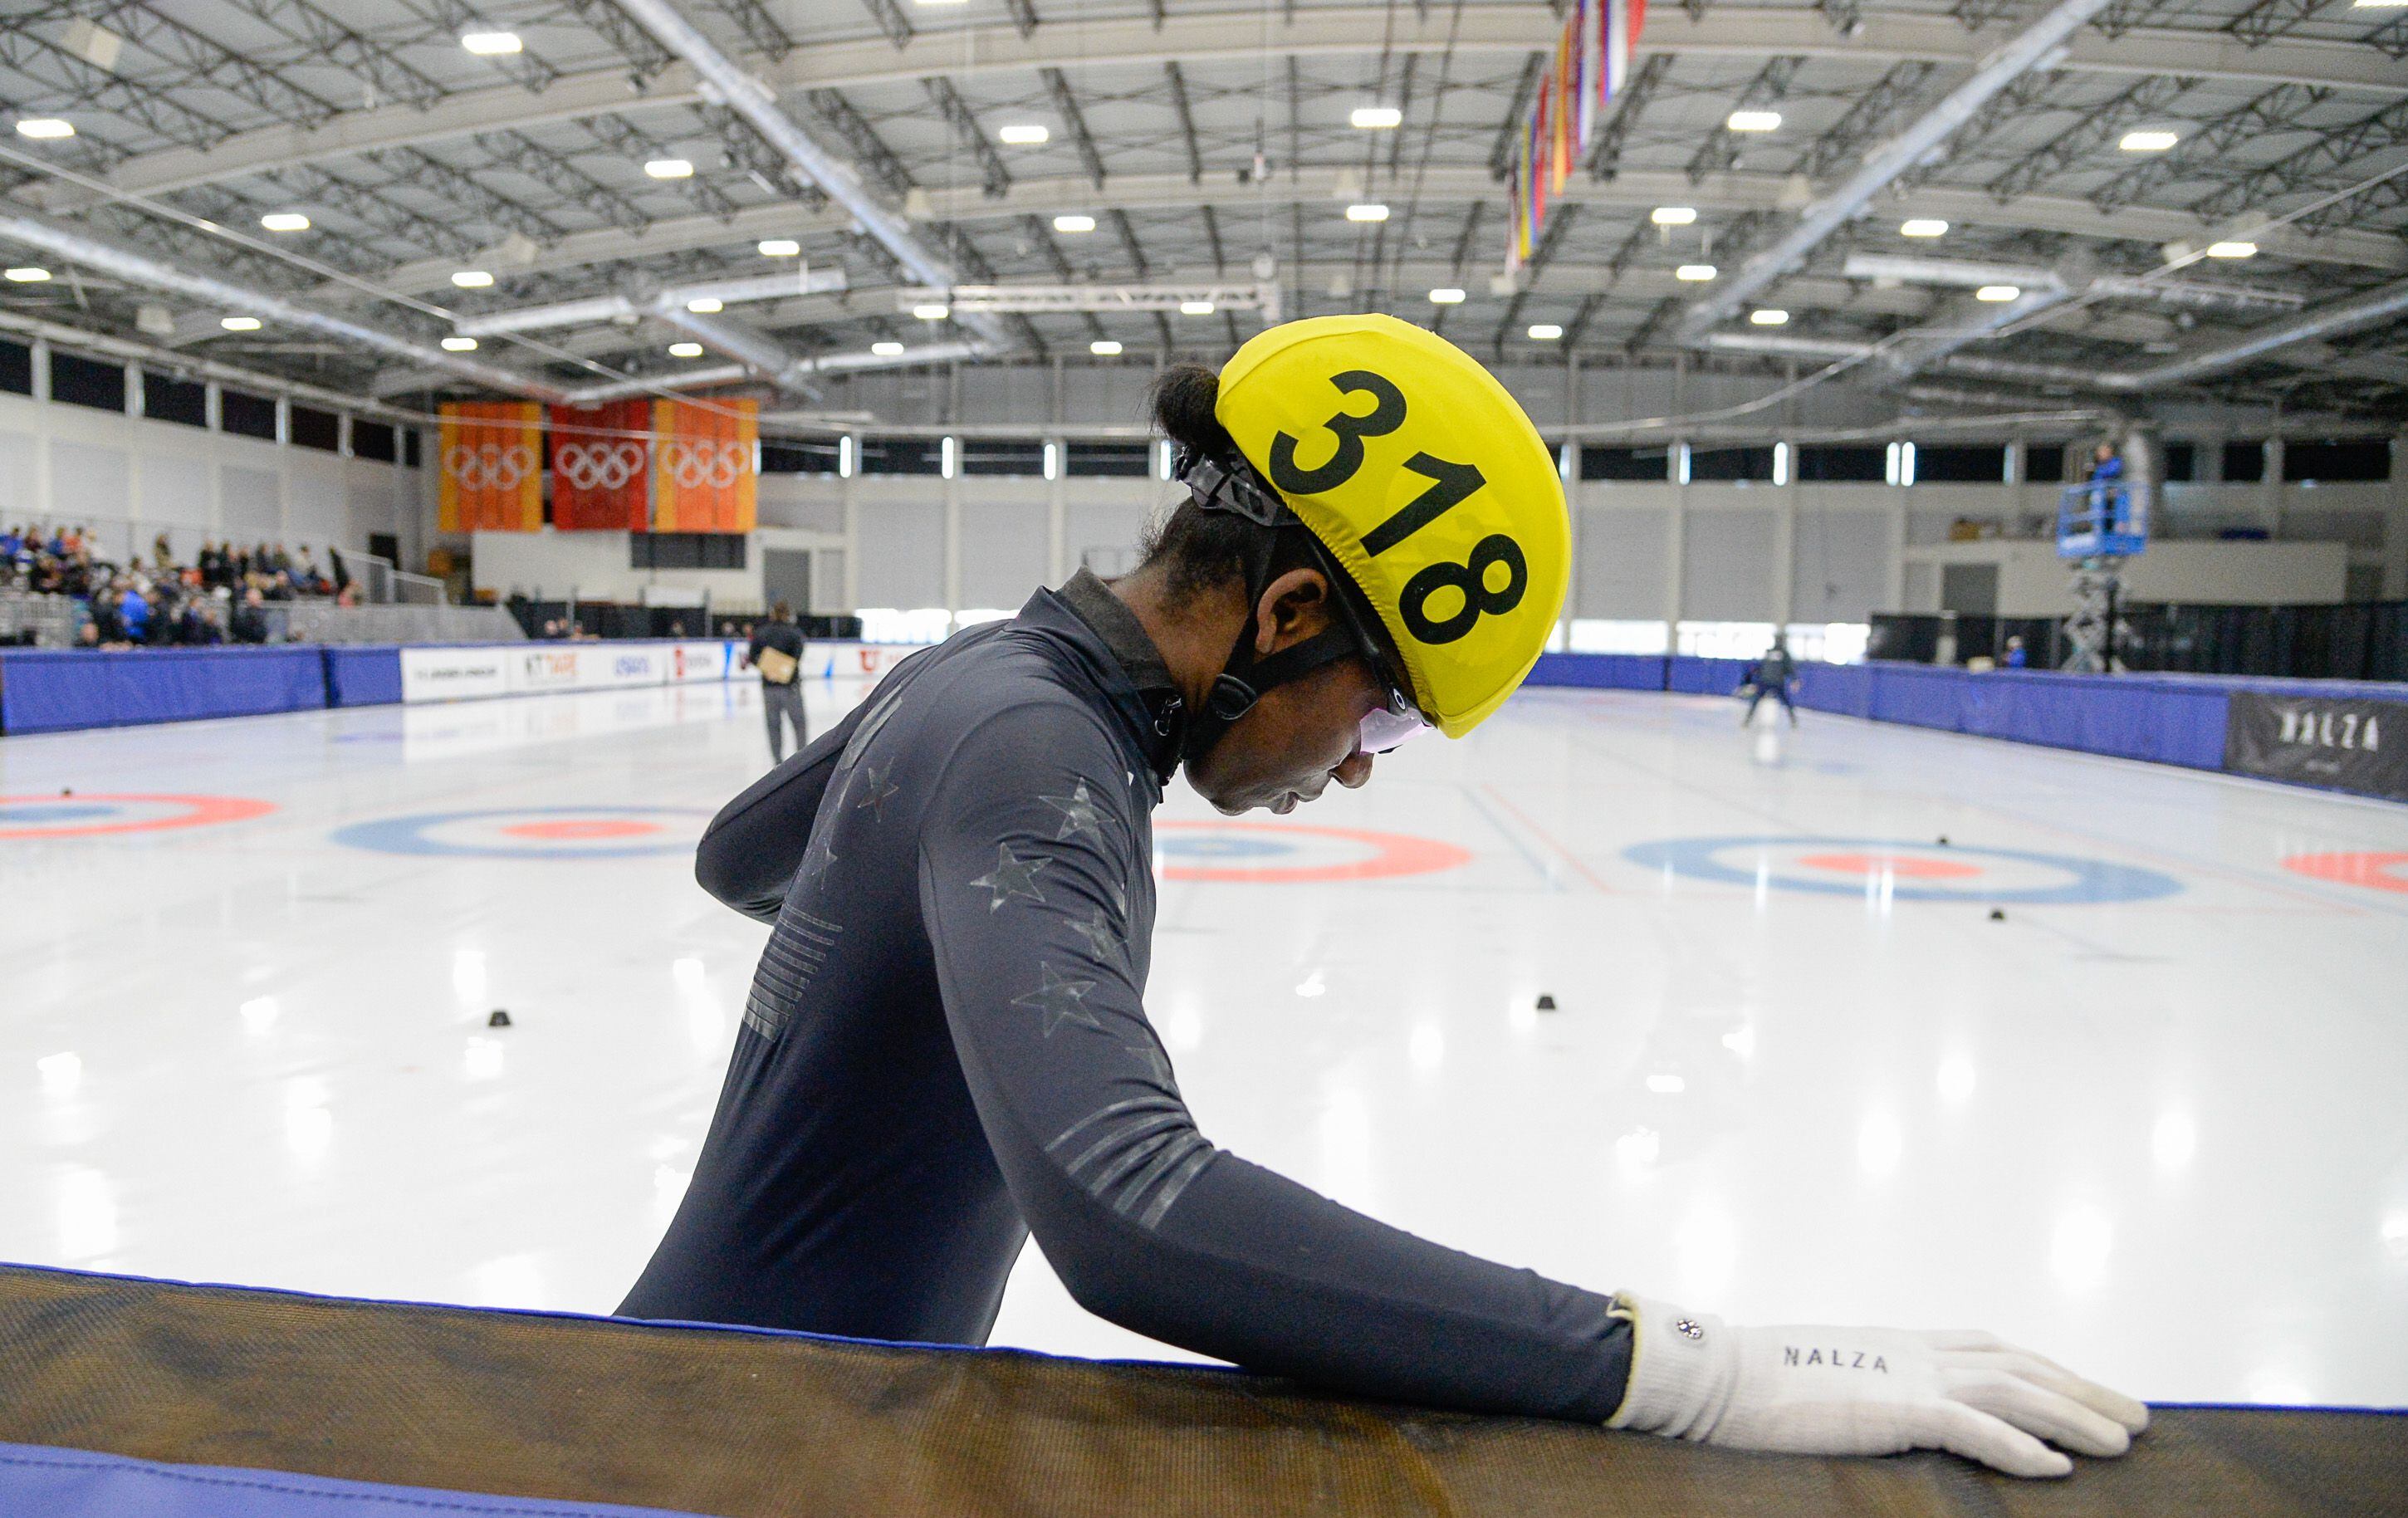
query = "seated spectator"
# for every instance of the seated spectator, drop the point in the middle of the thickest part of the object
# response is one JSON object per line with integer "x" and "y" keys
{"x": 196, "y": 624}
{"x": 249, "y": 623}
{"x": 133, "y": 613}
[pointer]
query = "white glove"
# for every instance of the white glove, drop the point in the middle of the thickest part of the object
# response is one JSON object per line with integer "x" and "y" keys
{"x": 1863, "y": 1391}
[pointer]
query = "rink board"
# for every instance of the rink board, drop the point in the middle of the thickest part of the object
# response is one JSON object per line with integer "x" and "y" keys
{"x": 206, "y": 1401}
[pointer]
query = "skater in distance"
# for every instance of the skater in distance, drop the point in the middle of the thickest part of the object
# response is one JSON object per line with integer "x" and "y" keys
{"x": 946, "y": 1048}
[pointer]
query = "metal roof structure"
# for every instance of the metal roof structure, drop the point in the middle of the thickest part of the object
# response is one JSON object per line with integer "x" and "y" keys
{"x": 1203, "y": 142}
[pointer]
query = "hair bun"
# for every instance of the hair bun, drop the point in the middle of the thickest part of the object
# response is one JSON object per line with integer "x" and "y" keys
{"x": 1184, "y": 398}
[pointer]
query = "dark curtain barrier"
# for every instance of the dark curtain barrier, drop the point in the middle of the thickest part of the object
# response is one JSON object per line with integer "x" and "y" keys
{"x": 2359, "y": 640}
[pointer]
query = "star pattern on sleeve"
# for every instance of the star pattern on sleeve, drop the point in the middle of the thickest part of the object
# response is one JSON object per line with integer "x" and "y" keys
{"x": 1012, "y": 875}
{"x": 878, "y": 787}
{"x": 1060, "y": 999}
{"x": 1103, "y": 938}
{"x": 1080, "y": 816}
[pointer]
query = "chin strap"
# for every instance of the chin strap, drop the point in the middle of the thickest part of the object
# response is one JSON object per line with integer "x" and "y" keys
{"x": 1246, "y": 679}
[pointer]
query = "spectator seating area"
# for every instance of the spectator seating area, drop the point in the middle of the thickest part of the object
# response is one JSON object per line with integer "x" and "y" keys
{"x": 219, "y": 597}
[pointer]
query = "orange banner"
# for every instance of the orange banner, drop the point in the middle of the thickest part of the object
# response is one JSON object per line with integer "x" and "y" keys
{"x": 703, "y": 479}
{"x": 493, "y": 476}
{"x": 601, "y": 466}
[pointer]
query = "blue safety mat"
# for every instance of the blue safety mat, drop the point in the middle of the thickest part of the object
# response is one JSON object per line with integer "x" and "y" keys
{"x": 80, "y": 1483}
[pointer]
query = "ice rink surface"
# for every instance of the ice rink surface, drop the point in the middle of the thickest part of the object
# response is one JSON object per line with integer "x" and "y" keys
{"x": 2154, "y": 1122}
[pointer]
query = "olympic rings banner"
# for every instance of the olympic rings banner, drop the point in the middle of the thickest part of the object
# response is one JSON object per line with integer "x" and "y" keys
{"x": 492, "y": 466}
{"x": 601, "y": 466}
{"x": 703, "y": 480}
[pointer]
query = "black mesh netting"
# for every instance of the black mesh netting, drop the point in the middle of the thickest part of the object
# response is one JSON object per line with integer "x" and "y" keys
{"x": 743, "y": 1424}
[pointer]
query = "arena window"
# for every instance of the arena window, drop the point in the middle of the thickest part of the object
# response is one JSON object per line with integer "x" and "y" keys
{"x": 167, "y": 399}
{"x": 1959, "y": 464}
{"x": 409, "y": 448}
{"x": 685, "y": 550}
{"x": 372, "y": 440}
{"x": 77, "y": 380}
{"x": 1724, "y": 466}
{"x": 2180, "y": 465}
{"x": 2244, "y": 461}
{"x": 15, "y": 368}
{"x": 801, "y": 455}
{"x": 2336, "y": 460}
{"x": 1128, "y": 461}
{"x": 242, "y": 412}
{"x": 1830, "y": 464}
{"x": 1003, "y": 456}
{"x": 313, "y": 429}
{"x": 901, "y": 456}
{"x": 2044, "y": 463}
{"x": 1639, "y": 465}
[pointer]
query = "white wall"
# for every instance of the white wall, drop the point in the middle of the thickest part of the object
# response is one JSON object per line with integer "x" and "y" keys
{"x": 2034, "y": 582}
{"x": 1644, "y": 550}
{"x": 129, "y": 478}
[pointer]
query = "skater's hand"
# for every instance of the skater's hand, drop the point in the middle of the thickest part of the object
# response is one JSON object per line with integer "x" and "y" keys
{"x": 1863, "y": 1391}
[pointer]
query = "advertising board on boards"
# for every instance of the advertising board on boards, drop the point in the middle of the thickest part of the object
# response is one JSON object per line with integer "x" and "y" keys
{"x": 2359, "y": 746}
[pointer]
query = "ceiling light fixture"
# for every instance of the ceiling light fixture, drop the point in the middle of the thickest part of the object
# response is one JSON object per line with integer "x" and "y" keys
{"x": 472, "y": 278}
{"x": 459, "y": 345}
{"x": 44, "y": 128}
{"x": 1074, "y": 223}
{"x": 1197, "y": 308}
{"x": 669, "y": 168}
{"x": 1997, "y": 294}
{"x": 1923, "y": 226}
{"x": 1673, "y": 215}
{"x": 779, "y": 247}
{"x": 706, "y": 305}
{"x": 1545, "y": 332}
{"x": 1446, "y": 295}
{"x": 1753, "y": 120}
{"x": 685, "y": 350}
{"x": 2238, "y": 249}
{"x": 1104, "y": 348}
{"x": 28, "y": 274}
{"x": 1695, "y": 272}
{"x": 887, "y": 349}
{"x": 491, "y": 43}
{"x": 1024, "y": 135}
{"x": 1768, "y": 316}
{"x": 285, "y": 222}
{"x": 1366, "y": 210}
{"x": 2148, "y": 142}
{"x": 932, "y": 312}
{"x": 1376, "y": 117}
{"x": 240, "y": 324}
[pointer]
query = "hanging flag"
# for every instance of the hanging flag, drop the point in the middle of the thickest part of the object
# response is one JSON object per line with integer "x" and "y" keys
{"x": 702, "y": 476}
{"x": 601, "y": 466}
{"x": 1590, "y": 61}
{"x": 491, "y": 478}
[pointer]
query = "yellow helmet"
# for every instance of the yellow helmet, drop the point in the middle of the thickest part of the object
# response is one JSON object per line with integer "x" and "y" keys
{"x": 1424, "y": 477}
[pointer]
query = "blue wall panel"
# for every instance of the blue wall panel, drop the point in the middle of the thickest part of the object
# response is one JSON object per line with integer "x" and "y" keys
{"x": 49, "y": 691}
{"x": 363, "y": 675}
{"x": 1707, "y": 676}
{"x": 1600, "y": 671}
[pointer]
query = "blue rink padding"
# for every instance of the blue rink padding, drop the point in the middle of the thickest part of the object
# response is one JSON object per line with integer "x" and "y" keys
{"x": 55, "y": 690}
{"x": 1601, "y": 671}
{"x": 2166, "y": 719}
{"x": 363, "y": 674}
{"x": 1705, "y": 677}
{"x": 83, "y": 1483}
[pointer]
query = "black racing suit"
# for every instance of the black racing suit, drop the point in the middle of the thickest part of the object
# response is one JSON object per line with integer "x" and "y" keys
{"x": 945, "y": 1050}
